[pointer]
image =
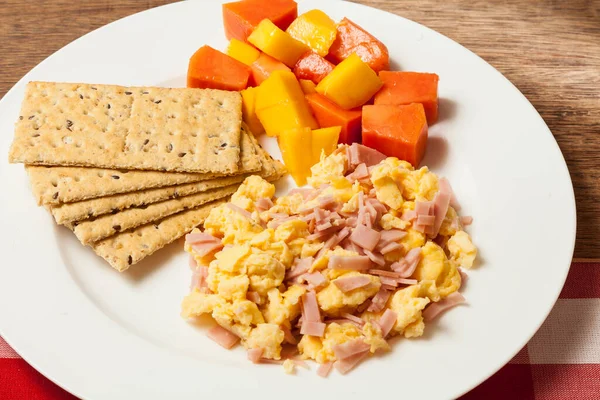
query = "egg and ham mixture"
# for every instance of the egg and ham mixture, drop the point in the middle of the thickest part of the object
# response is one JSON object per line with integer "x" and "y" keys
{"x": 371, "y": 250}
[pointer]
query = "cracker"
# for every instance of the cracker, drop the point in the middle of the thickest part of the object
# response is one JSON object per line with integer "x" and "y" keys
{"x": 93, "y": 230}
{"x": 125, "y": 249}
{"x": 82, "y": 210}
{"x": 149, "y": 128}
{"x": 55, "y": 185}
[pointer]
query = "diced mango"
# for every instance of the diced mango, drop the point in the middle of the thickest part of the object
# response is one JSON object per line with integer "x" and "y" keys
{"x": 263, "y": 68}
{"x": 281, "y": 105}
{"x": 351, "y": 83}
{"x": 243, "y": 52}
{"x": 277, "y": 43}
{"x": 324, "y": 139}
{"x": 308, "y": 87}
{"x": 294, "y": 144}
{"x": 249, "y": 111}
{"x": 285, "y": 116}
{"x": 315, "y": 29}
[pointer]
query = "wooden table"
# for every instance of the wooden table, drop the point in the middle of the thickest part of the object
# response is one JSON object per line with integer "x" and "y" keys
{"x": 549, "y": 49}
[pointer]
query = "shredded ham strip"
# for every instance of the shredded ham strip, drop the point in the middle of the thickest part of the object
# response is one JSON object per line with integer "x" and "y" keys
{"x": 240, "y": 210}
{"x": 324, "y": 369}
{"x": 379, "y": 300}
{"x": 466, "y": 220}
{"x": 350, "y": 348}
{"x": 313, "y": 328}
{"x": 350, "y": 263}
{"x": 351, "y": 283}
{"x": 387, "y": 321}
{"x": 315, "y": 279}
{"x": 406, "y": 267}
{"x": 365, "y": 237}
{"x": 192, "y": 262}
{"x": 344, "y": 366}
{"x": 435, "y": 309}
{"x": 194, "y": 238}
{"x": 301, "y": 266}
{"x": 202, "y": 249}
{"x": 288, "y": 336}
{"x": 254, "y": 355}
{"x": 222, "y": 337}
{"x": 310, "y": 307}
{"x": 354, "y": 318}
{"x": 376, "y": 258}
{"x": 263, "y": 204}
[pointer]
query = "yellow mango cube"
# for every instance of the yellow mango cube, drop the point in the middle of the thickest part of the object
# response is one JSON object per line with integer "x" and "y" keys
{"x": 281, "y": 105}
{"x": 315, "y": 29}
{"x": 324, "y": 139}
{"x": 308, "y": 87}
{"x": 286, "y": 116}
{"x": 295, "y": 146}
{"x": 243, "y": 52}
{"x": 278, "y": 44}
{"x": 249, "y": 110}
{"x": 351, "y": 83}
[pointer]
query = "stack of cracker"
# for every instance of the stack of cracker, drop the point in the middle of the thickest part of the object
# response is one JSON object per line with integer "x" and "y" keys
{"x": 131, "y": 169}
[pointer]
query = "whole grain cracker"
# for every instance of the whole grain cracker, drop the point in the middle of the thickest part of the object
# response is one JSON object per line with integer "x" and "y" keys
{"x": 55, "y": 185}
{"x": 93, "y": 230}
{"x": 81, "y": 210}
{"x": 149, "y": 128}
{"x": 125, "y": 249}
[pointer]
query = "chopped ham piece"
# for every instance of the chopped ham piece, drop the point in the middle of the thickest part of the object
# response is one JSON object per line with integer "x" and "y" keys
{"x": 388, "y": 248}
{"x": 315, "y": 279}
{"x": 391, "y": 282}
{"x": 392, "y": 235}
{"x": 425, "y": 220}
{"x": 453, "y": 201}
{"x": 327, "y": 202}
{"x": 359, "y": 154}
{"x": 343, "y": 234}
{"x": 409, "y": 215}
{"x": 354, "y": 318}
{"x": 278, "y": 215}
{"x": 379, "y": 300}
{"x": 350, "y": 263}
{"x": 463, "y": 277}
{"x": 466, "y": 221}
{"x": 199, "y": 278}
{"x": 312, "y": 328}
{"x": 389, "y": 287}
{"x": 222, "y": 336}
{"x": 441, "y": 202}
{"x": 351, "y": 283}
{"x": 350, "y": 348}
{"x": 345, "y": 365}
{"x": 312, "y": 225}
{"x": 323, "y": 226}
{"x": 364, "y": 306}
{"x": 205, "y": 248}
{"x": 288, "y": 336}
{"x": 406, "y": 267}
{"x": 367, "y": 238}
{"x": 379, "y": 206}
{"x": 263, "y": 204}
{"x": 424, "y": 207}
{"x": 324, "y": 369}
{"x": 301, "y": 266}
{"x": 240, "y": 210}
{"x": 376, "y": 258}
{"x": 404, "y": 281}
{"x": 310, "y": 307}
{"x": 380, "y": 272}
{"x": 254, "y": 355}
{"x": 194, "y": 238}
{"x": 274, "y": 224}
{"x": 360, "y": 172}
{"x": 341, "y": 321}
{"x": 387, "y": 321}
{"x": 319, "y": 214}
{"x": 192, "y": 262}
{"x": 434, "y": 309}
{"x": 253, "y": 297}
{"x": 305, "y": 192}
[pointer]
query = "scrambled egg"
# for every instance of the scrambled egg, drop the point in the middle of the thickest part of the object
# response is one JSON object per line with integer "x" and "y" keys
{"x": 246, "y": 290}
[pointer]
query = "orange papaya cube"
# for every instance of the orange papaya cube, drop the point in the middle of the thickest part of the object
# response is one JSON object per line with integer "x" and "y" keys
{"x": 313, "y": 67}
{"x": 211, "y": 69}
{"x": 396, "y": 131}
{"x": 263, "y": 67}
{"x": 403, "y": 88}
{"x": 329, "y": 114}
{"x": 351, "y": 38}
{"x": 241, "y": 17}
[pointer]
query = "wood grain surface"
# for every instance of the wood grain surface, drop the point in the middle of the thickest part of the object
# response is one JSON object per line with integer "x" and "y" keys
{"x": 550, "y": 49}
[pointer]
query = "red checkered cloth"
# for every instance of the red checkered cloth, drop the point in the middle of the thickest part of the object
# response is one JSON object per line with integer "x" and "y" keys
{"x": 562, "y": 361}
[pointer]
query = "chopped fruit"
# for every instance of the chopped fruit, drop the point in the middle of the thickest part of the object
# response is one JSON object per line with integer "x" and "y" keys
{"x": 315, "y": 29}
{"x": 277, "y": 43}
{"x": 211, "y": 69}
{"x": 241, "y": 17}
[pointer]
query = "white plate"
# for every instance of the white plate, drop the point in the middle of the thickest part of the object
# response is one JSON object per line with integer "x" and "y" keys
{"x": 104, "y": 335}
